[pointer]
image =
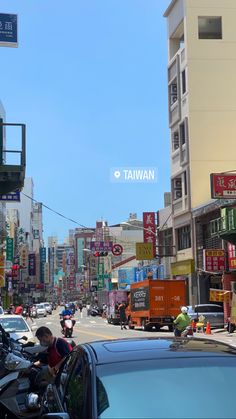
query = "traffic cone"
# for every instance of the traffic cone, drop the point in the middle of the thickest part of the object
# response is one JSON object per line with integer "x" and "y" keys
{"x": 208, "y": 329}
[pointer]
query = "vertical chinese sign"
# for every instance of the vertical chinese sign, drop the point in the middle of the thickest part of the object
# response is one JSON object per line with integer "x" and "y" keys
{"x": 149, "y": 232}
{"x": 231, "y": 256}
{"x": 9, "y": 249}
{"x": 32, "y": 264}
{"x": 100, "y": 272}
{"x": 42, "y": 262}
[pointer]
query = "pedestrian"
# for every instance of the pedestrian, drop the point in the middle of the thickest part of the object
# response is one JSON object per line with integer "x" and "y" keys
{"x": 19, "y": 310}
{"x": 81, "y": 310}
{"x": 182, "y": 321}
{"x": 123, "y": 320}
{"x": 57, "y": 350}
{"x": 88, "y": 307}
{"x": 104, "y": 311}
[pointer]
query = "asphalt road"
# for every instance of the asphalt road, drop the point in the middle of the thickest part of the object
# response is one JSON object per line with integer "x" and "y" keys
{"x": 88, "y": 329}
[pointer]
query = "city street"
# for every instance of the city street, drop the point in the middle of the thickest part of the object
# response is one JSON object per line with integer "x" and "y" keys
{"x": 88, "y": 329}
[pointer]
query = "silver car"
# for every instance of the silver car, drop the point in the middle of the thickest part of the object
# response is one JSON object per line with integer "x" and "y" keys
{"x": 213, "y": 313}
{"x": 41, "y": 310}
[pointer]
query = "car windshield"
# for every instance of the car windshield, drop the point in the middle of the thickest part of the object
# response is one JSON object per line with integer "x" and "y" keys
{"x": 13, "y": 324}
{"x": 40, "y": 306}
{"x": 161, "y": 388}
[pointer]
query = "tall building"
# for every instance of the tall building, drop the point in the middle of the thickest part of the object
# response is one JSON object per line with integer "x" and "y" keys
{"x": 202, "y": 112}
{"x": 25, "y": 208}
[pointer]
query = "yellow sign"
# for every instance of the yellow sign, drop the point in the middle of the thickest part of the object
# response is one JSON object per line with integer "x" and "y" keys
{"x": 233, "y": 309}
{"x": 214, "y": 252}
{"x": 184, "y": 267}
{"x": 144, "y": 251}
{"x": 222, "y": 296}
{"x": 2, "y": 271}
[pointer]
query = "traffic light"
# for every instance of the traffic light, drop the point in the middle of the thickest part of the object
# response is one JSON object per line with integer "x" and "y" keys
{"x": 102, "y": 254}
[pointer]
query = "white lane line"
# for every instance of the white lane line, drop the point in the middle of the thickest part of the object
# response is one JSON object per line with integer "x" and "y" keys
{"x": 92, "y": 321}
{"x": 48, "y": 322}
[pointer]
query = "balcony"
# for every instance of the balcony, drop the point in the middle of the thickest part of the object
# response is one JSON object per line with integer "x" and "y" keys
{"x": 12, "y": 162}
{"x": 225, "y": 226}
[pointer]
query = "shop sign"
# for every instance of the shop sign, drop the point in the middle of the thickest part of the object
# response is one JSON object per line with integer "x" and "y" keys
{"x": 184, "y": 267}
{"x": 149, "y": 229}
{"x": 233, "y": 309}
{"x": 32, "y": 264}
{"x": 213, "y": 260}
{"x": 9, "y": 248}
{"x": 144, "y": 251}
{"x": 223, "y": 185}
{"x": 217, "y": 295}
{"x": 231, "y": 256}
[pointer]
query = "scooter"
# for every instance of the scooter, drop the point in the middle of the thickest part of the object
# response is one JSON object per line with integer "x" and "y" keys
{"x": 68, "y": 325}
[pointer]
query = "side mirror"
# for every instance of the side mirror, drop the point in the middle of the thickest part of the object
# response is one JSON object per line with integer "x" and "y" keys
{"x": 24, "y": 338}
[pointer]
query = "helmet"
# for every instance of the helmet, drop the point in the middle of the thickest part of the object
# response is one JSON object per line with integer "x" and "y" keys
{"x": 184, "y": 310}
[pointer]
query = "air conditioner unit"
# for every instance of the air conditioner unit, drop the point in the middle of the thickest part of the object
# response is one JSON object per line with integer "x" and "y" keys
{"x": 178, "y": 194}
{"x": 177, "y": 183}
{"x": 174, "y": 98}
{"x": 173, "y": 88}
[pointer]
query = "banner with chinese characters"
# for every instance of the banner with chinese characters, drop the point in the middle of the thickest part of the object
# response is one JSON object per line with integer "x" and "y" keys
{"x": 32, "y": 264}
{"x": 214, "y": 260}
{"x": 24, "y": 256}
{"x": 149, "y": 229}
{"x": 9, "y": 249}
{"x": 222, "y": 296}
{"x": 231, "y": 256}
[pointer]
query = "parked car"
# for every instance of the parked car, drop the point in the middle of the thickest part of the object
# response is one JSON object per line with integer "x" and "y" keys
{"x": 17, "y": 326}
{"x": 97, "y": 376}
{"x": 41, "y": 310}
{"x": 213, "y": 313}
{"x": 48, "y": 307}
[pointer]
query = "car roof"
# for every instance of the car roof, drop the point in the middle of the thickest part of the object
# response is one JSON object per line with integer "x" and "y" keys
{"x": 123, "y": 350}
{"x": 12, "y": 316}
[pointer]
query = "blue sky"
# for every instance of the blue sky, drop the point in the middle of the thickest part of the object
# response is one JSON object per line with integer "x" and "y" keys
{"x": 89, "y": 79}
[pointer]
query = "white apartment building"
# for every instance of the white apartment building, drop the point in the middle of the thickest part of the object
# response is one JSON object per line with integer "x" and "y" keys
{"x": 202, "y": 111}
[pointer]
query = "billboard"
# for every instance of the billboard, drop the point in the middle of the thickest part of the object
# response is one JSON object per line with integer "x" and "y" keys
{"x": 214, "y": 260}
{"x": 223, "y": 185}
{"x": 8, "y": 30}
{"x": 140, "y": 299}
{"x": 144, "y": 251}
{"x": 126, "y": 276}
{"x": 32, "y": 264}
{"x": 231, "y": 255}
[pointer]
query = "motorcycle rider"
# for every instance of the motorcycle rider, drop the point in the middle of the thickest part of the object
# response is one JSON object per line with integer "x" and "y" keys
{"x": 66, "y": 312}
{"x": 182, "y": 321}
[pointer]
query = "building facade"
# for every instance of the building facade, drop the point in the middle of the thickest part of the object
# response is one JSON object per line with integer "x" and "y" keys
{"x": 202, "y": 113}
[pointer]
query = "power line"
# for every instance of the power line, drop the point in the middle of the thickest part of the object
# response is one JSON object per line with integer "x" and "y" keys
{"x": 55, "y": 212}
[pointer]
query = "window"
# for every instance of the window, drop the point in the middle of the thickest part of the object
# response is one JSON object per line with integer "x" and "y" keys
{"x": 209, "y": 27}
{"x": 184, "y": 237}
{"x": 183, "y": 74}
{"x": 182, "y": 133}
{"x": 185, "y": 184}
{"x": 166, "y": 242}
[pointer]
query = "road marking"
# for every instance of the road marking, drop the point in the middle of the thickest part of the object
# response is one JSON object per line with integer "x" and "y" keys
{"x": 48, "y": 322}
{"x": 97, "y": 334}
{"x": 92, "y": 321}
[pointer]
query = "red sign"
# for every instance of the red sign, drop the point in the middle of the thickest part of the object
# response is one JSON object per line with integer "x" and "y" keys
{"x": 231, "y": 256}
{"x": 223, "y": 185}
{"x": 214, "y": 260}
{"x": 149, "y": 232}
{"x": 117, "y": 249}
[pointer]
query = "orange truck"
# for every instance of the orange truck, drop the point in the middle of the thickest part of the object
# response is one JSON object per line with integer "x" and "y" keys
{"x": 155, "y": 303}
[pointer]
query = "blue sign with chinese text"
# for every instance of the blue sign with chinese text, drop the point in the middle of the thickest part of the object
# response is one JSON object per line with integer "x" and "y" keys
{"x": 8, "y": 30}
{"x": 10, "y": 197}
